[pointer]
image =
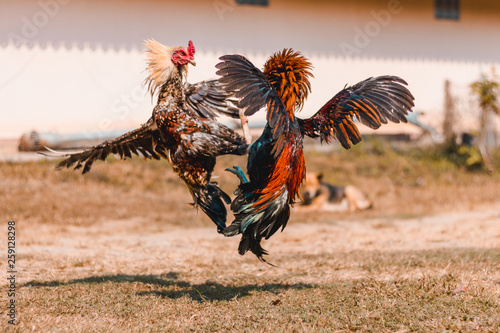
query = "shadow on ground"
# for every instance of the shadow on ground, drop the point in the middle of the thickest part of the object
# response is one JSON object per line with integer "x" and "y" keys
{"x": 175, "y": 288}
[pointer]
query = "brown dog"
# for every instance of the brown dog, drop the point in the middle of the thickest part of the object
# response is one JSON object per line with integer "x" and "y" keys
{"x": 320, "y": 196}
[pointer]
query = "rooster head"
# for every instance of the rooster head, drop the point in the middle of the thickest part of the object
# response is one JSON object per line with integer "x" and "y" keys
{"x": 288, "y": 72}
{"x": 164, "y": 62}
{"x": 182, "y": 55}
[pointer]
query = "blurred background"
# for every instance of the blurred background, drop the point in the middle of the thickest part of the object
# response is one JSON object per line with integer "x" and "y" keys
{"x": 74, "y": 67}
{"x": 119, "y": 247}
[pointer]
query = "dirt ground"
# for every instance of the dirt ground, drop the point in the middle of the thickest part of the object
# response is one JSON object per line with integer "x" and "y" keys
{"x": 135, "y": 246}
{"x": 95, "y": 252}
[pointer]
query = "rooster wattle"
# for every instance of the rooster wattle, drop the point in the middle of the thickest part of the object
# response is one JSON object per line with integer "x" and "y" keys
{"x": 182, "y": 129}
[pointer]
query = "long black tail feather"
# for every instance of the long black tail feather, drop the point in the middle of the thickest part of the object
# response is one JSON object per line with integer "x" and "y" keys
{"x": 249, "y": 242}
{"x": 211, "y": 200}
{"x": 255, "y": 222}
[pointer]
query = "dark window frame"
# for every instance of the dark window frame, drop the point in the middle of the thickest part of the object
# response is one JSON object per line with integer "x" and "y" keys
{"x": 264, "y": 3}
{"x": 447, "y": 9}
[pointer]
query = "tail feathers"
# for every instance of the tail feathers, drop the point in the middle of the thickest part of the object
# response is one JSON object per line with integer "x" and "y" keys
{"x": 249, "y": 242}
{"x": 266, "y": 218}
{"x": 256, "y": 224}
{"x": 211, "y": 201}
{"x": 233, "y": 229}
{"x": 255, "y": 219}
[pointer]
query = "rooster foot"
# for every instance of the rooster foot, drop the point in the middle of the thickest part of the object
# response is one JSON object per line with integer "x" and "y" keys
{"x": 239, "y": 173}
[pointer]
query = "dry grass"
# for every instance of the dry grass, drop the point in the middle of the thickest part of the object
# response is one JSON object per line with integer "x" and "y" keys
{"x": 166, "y": 302}
{"x": 118, "y": 250}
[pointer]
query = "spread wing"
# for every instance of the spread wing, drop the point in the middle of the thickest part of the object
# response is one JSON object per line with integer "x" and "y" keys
{"x": 254, "y": 91}
{"x": 142, "y": 142}
{"x": 208, "y": 99}
{"x": 374, "y": 101}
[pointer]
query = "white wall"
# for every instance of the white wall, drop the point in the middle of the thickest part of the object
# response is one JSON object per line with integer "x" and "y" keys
{"x": 81, "y": 68}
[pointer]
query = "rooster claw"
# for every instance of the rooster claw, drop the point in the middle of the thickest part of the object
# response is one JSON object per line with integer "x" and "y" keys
{"x": 239, "y": 173}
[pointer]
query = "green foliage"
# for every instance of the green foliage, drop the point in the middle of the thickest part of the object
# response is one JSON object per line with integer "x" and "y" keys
{"x": 444, "y": 157}
{"x": 462, "y": 156}
{"x": 487, "y": 90}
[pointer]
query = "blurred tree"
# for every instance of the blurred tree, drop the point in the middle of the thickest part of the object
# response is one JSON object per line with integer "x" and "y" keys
{"x": 487, "y": 91}
{"x": 449, "y": 116}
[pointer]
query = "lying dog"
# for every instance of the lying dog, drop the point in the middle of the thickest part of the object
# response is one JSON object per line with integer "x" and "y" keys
{"x": 320, "y": 196}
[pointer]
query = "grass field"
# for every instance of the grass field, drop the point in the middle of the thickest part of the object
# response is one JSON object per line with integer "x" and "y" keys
{"x": 119, "y": 250}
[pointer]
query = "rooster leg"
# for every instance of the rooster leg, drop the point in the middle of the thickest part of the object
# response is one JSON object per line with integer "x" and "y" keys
{"x": 245, "y": 128}
{"x": 239, "y": 173}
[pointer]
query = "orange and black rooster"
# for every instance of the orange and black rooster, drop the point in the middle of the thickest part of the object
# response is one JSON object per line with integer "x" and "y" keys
{"x": 182, "y": 129}
{"x": 276, "y": 165}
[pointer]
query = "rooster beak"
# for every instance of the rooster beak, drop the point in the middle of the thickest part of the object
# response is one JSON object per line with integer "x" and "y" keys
{"x": 192, "y": 62}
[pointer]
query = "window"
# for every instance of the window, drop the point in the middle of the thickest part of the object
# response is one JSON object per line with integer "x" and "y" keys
{"x": 446, "y": 9}
{"x": 253, "y": 2}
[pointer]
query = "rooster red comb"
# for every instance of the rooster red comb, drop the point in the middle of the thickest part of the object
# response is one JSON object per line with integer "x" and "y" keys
{"x": 191, "y": 48}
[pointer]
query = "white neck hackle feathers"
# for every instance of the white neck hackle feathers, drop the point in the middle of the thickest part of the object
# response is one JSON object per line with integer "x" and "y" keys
{"x": 159, "y": 65}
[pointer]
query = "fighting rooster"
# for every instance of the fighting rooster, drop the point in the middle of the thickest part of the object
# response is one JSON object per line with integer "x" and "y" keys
{"x": 276, "y": 165}
{"x": 182, "y": 129}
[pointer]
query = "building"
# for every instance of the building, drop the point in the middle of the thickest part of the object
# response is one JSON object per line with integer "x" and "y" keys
{"x": 75, "y": 65}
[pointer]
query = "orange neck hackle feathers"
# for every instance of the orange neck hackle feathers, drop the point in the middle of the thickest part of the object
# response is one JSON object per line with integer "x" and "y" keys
{"x": 288, "y": 71}
{"x": 160, "y": 66}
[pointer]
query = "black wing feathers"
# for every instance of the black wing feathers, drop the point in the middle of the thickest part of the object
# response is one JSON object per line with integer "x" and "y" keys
{"x": 251, "y": 85}
{"x": 142, "y": 141}
{"x": 208, "y": 99}
{"x": 387, "y": 95}
{"x": 374, "y": 101}
{"x": 241, "y": 76}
